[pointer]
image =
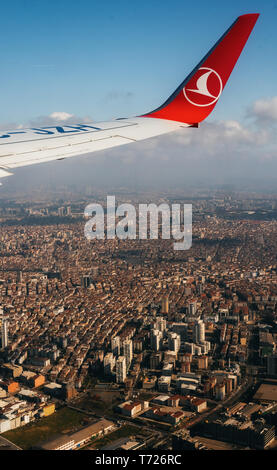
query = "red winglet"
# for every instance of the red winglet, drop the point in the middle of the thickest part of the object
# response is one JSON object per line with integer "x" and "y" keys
{"x": 198, "y": 94}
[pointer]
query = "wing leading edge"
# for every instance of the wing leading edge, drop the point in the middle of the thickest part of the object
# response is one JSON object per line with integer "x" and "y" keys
{"x": 190, "y": 104}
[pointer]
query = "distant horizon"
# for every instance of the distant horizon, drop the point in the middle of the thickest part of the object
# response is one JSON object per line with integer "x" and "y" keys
{"x": 44, "y": 193}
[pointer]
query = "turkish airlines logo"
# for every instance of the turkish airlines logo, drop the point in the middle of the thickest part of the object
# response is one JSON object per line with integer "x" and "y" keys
{"x": 204, "y": 88}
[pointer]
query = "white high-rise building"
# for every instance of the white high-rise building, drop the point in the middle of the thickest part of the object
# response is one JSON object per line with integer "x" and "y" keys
{"x": 156, "y": 338}
{"x": 115, "y": 345}
{"x": 121, "y": 370}
{"x": 199, "y": 332}
{"x": 4, "y": 333}
{"x": 109, "y": 363}
{"x": 174, "y": 342}
{"x": 128, "y": 351}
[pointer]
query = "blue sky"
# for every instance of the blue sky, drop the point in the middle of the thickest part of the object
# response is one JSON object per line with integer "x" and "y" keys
{"x": 120, "y": 58}
{"x": 102, "y": 60}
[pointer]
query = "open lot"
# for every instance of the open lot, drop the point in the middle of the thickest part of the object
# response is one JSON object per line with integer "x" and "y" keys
{"x": 99, "y": 401}
{"x": 266, "y": 393}
{"x": 63, "y": 421}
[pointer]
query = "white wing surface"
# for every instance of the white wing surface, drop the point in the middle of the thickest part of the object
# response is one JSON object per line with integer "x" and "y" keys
{"x": 24, "y": 147}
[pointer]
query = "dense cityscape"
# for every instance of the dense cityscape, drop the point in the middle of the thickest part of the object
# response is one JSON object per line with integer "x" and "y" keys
{"x": 128, "y": 344}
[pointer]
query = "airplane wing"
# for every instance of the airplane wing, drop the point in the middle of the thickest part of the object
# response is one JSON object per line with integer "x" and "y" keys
{"x": 37, "y": 145}
{"x": 190, "y": 104}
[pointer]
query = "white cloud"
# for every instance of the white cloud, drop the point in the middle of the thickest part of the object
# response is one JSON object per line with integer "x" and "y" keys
{"x": 264, "y": 109}
{"x": 57, "y": 117}
{"x": 61, "y": 116}
{"x": 219, "y": 139}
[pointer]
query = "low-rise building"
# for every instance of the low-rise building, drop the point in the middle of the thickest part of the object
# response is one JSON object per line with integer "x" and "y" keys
{"x": 79, "y": 438}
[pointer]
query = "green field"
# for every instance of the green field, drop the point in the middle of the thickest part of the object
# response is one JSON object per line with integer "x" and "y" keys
{"x": 63, "y": 421}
